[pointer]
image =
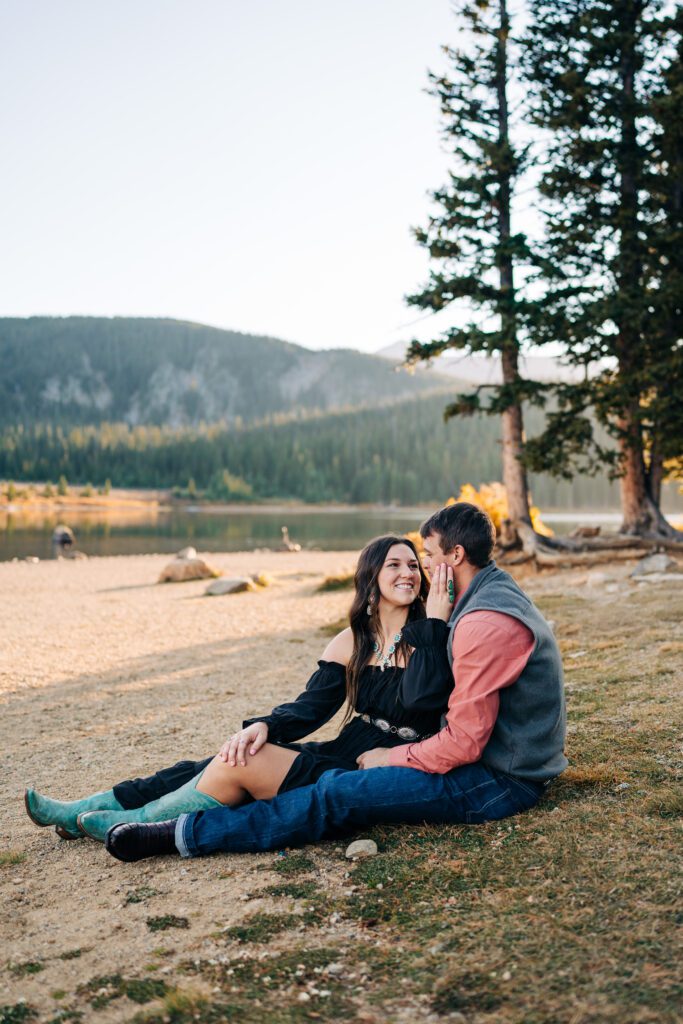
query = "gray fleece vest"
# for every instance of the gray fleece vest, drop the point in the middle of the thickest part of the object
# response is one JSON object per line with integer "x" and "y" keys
{"x": 529, "y": 734}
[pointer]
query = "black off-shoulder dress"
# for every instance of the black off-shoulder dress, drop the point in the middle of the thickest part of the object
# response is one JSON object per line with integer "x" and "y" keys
{"x": 414, "y": 697}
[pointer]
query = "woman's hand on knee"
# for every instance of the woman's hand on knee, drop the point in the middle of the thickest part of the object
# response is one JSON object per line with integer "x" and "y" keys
{"x": 249, "y": 740}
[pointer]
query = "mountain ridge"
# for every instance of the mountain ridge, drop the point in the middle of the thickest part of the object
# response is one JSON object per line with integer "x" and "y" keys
{"x": 477, "y": 368}
{"x": 160, "y": 371}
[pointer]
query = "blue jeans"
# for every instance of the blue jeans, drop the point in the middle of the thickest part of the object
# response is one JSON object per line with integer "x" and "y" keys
{"x": 343, "y": 801}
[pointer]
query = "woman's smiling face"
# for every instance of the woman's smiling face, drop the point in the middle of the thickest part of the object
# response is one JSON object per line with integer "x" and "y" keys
{"x": 399, "y": 577}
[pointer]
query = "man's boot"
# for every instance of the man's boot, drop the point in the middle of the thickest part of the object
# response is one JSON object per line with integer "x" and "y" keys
{"x": 135, "y": 841}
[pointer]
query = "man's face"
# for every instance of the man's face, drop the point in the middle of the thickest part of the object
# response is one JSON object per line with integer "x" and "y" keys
{"x": 433, "y": 554}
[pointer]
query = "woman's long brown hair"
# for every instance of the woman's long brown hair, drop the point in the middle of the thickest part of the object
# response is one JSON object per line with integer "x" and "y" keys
{"x": 367, "y": 628}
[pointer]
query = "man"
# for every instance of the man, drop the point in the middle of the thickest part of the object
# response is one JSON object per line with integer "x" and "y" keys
{"x": 502, "y": 741}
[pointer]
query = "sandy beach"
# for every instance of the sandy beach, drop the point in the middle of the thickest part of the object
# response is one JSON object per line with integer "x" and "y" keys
{"x": 107, "y": 674}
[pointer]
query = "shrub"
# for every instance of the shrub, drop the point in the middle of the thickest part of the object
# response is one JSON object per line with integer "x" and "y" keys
{"x": 494, "y": 500}
{"x": 224, "y": 486}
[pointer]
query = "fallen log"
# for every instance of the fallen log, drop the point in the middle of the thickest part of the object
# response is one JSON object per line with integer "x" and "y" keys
{"x": 559, "y": 551}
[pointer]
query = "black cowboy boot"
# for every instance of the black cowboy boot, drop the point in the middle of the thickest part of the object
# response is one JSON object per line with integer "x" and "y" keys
{"x": 136, "y": 840}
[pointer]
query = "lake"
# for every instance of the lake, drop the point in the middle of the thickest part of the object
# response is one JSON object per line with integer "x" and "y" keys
{"x": 159, "y": 530}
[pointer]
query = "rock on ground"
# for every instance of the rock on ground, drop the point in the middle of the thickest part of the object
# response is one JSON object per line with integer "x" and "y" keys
{"x": 182, "y": 569}
{"x": 361, "y": 848}
{"x": 660, "y": 562}
{"x": 231, "y": 586}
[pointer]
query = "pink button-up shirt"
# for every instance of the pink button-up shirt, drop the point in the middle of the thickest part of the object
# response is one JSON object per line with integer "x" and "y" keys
{"x": 490, "y": 649}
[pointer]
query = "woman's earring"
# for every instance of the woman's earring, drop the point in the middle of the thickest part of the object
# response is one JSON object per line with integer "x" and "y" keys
{"x": 369, "y": 607}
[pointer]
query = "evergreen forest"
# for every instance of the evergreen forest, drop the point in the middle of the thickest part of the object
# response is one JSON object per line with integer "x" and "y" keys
{"x": 402, "y": 453}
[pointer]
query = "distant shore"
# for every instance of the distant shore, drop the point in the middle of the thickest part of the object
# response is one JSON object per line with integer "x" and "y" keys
{"x": 29, "y": 497}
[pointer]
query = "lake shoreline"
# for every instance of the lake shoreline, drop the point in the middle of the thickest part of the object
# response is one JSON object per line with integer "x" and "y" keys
{"x": 119, "y": 498}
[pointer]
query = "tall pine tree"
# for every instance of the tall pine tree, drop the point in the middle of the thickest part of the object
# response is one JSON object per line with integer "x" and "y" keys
{"x": 476, "y": 252}
{"x": 605, "y": 76}
{"x": 664, "y": 447}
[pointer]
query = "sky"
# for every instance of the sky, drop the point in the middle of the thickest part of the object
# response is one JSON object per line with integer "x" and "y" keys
{"x": 250, "y": 164}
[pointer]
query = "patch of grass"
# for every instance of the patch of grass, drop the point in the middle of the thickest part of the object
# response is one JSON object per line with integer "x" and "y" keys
{"x": 673, "y": 647}
{"x": 10, "y": 857}
{"x": 144, "y": 990}
{"x": 562, "y": 914}
{"x": 586, "y": 777}
{"x": 17, "y": 1013}
{"x": 30, "y": 967}
{"x": 260, "y": 927}
{"x": 667, "y": 803}
{"x": 104, "y": 989}
{"x": 336, "y": 581}
{"x": 391, "y": 887}
{"x": 472, "y": 991}
{"x": 294, "y": 890}
{"x": 71, "y": 954}
{"x": 270, "y": 988}
{"x": 607, "y": 645}
{"x": 62, "y": 1016}
{"x": 185, "y": 1007}
{"x": 293, "y": 864}
{"x": 166, "y": 921}
{"x": 101, "y": 990}
{"x": 141, "y": 894}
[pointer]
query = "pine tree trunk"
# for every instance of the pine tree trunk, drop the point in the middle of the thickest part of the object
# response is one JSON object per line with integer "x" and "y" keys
{"x": 641, "y": 514}
{"x": 514, "y": 470}
{"x": 655, "y": 474}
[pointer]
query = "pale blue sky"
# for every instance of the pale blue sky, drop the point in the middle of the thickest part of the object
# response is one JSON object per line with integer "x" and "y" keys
{"x": 251, "y": 164}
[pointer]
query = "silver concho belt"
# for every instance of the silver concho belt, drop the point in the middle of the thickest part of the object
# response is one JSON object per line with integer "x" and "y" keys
{"x": 403, "y": 731}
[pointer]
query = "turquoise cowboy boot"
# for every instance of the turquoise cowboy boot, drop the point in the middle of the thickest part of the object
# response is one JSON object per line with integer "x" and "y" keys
{"x": 96, "y": 824}
{"x": 64, "y": 813}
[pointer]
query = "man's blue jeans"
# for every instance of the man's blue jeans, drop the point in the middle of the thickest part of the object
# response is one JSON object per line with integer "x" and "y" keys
{"x": 343, "y": 801}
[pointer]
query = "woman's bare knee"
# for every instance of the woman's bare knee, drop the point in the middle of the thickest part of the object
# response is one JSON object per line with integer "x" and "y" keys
{"x": 260, "y": 777}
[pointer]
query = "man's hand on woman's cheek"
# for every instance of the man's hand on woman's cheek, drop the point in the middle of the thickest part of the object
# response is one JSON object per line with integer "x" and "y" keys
{"x": 377, "y": 758}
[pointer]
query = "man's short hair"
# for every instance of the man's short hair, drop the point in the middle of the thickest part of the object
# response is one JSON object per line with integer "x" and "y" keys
{"x": 466, "y": 525}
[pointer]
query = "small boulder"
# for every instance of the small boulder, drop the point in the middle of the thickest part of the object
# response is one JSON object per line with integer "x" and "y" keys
{"x": 187, "y": 553}
{"x": 236, "y": 585}
{"x": 361, "y": 848}
{"x": 655, "y": 564}
{"x": 182, "y": 569}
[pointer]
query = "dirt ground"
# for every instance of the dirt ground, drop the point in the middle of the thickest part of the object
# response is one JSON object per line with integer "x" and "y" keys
{"x": 105, "y": 674}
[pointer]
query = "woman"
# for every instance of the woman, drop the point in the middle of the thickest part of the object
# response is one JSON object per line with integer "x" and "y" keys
{"x": 390, "y": 666}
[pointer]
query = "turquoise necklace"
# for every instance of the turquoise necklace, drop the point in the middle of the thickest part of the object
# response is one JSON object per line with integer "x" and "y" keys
{"x": 383, "y": 660}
